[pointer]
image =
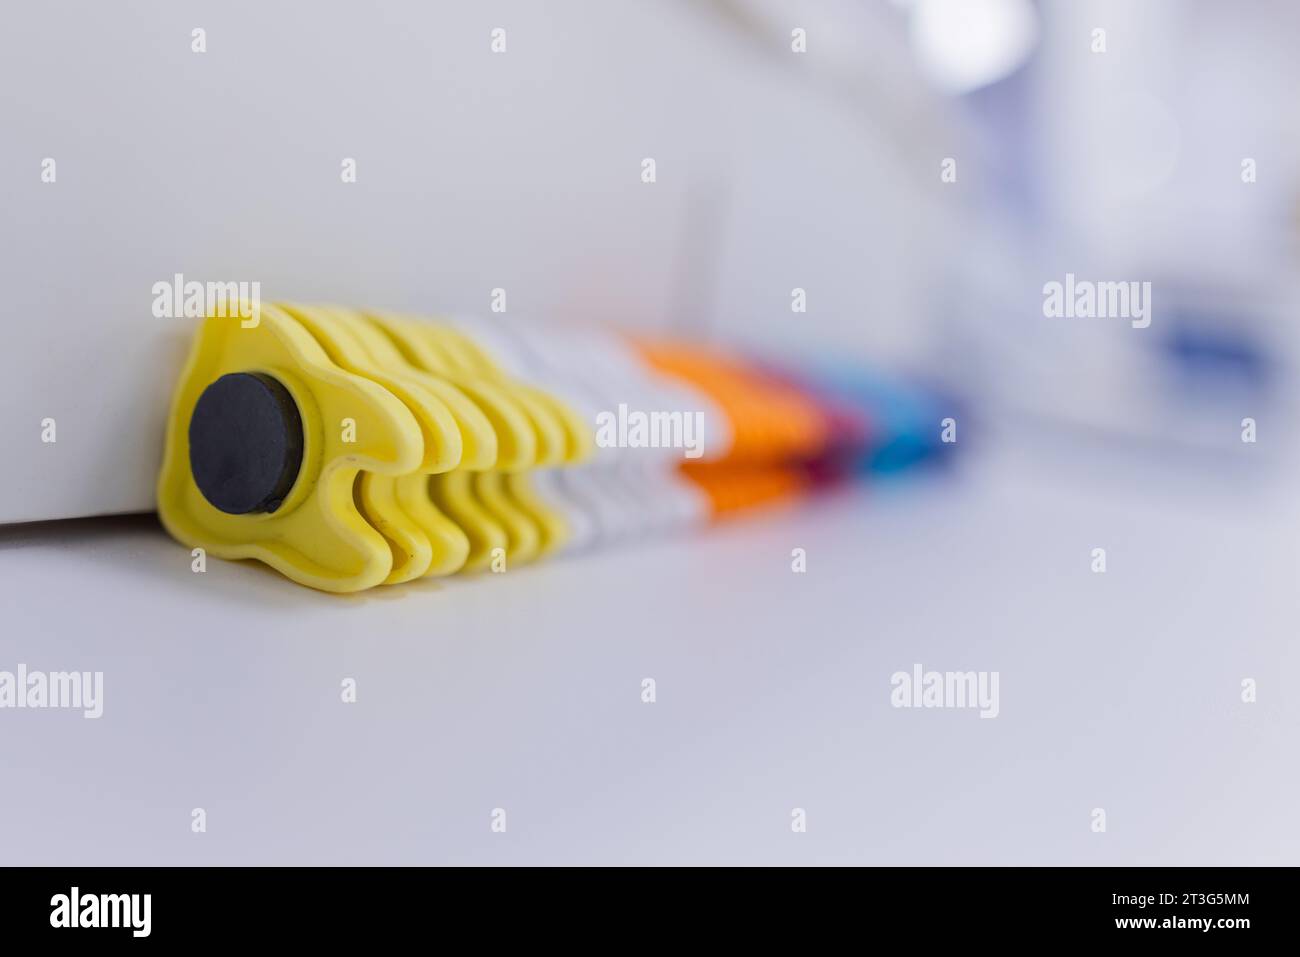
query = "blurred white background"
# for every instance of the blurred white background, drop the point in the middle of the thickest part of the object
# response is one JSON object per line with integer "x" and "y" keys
{"x": 775, "y": 169}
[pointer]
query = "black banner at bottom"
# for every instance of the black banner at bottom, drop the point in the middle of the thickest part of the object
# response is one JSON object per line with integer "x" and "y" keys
{"x": 92, "y": 906}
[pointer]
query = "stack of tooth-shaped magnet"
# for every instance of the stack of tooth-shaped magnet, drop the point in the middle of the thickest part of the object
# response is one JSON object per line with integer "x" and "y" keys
{"x": 349, "y": 448}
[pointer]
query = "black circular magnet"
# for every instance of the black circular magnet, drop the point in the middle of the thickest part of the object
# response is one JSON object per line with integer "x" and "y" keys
{"x": 245, "y": 443}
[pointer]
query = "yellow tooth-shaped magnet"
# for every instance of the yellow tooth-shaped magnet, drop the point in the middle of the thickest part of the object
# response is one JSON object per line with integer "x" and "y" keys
{"x": 265, "y": 440}
{"x": 452, "y": 493}
{"x": 550, "y": 418}
{"x": 478, "y": 439}
{"x": 516, "y": 439}
{"x": 551, "y": 525}
{"x": 526, "y": 532}
{"x": 493, "y": 523}
{"x": 564, "y": 437}
{"x": 465, "y": 545}
{"x": 523, "y": 536}
{"x": 416, "y": 543}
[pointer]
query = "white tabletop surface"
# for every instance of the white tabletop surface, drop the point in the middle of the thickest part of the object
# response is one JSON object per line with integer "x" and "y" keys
{"x": 1119, "y": 691}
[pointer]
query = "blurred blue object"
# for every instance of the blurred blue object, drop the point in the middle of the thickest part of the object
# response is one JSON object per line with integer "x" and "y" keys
{"x": 1209, "y": 351}
{"x": 906, "y": 417}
